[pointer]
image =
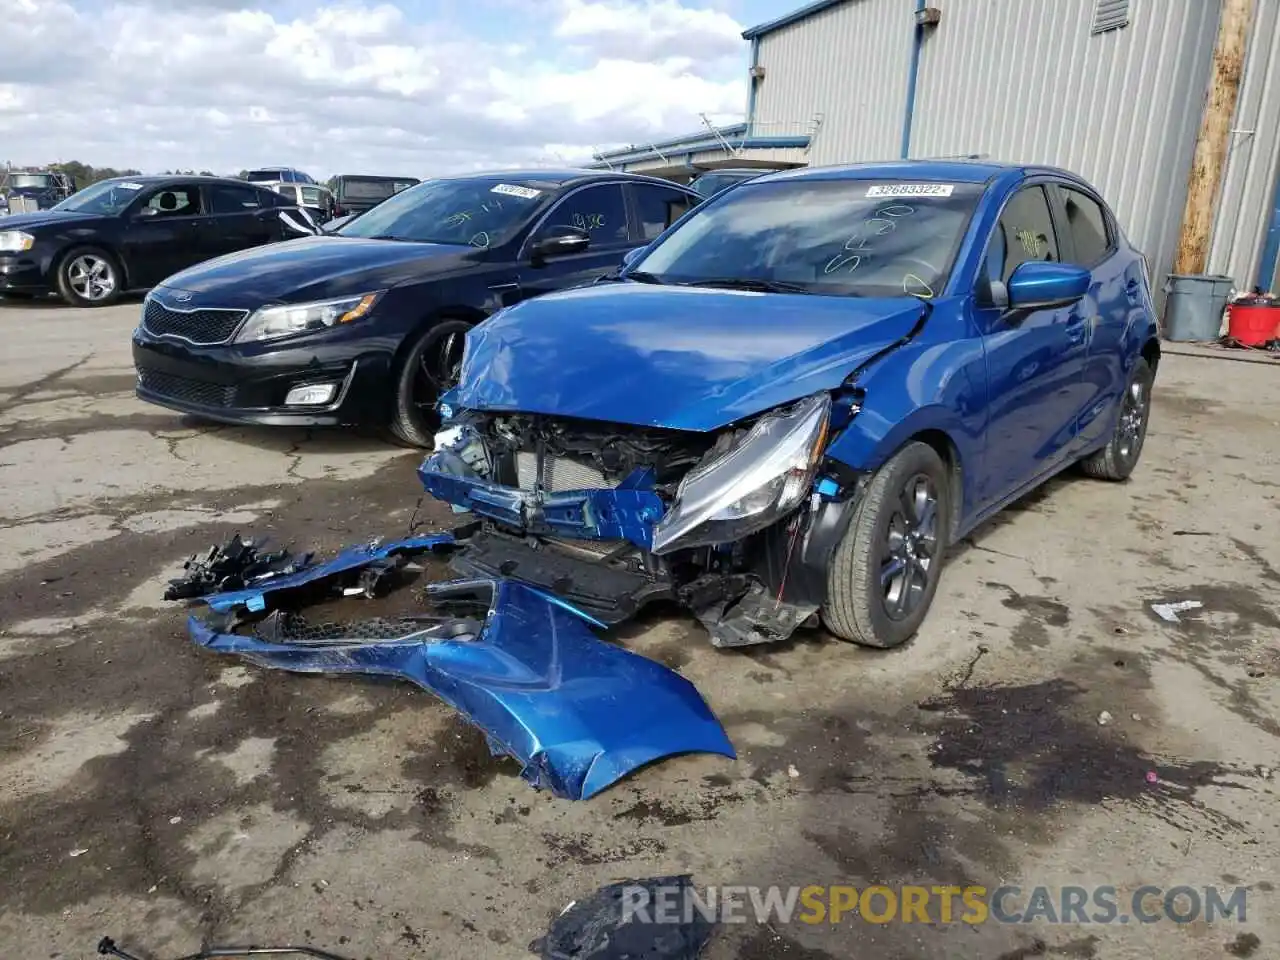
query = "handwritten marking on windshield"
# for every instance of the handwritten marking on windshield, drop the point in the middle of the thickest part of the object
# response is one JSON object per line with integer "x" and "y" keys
{"x": 882, "y": 221}
{"x": 480, "y": 240}
{"x": 588, "y": 222}
{"x": 1033, "y": 243}
{"x": 458, "y": 219}
{"x": 922, "y": 287}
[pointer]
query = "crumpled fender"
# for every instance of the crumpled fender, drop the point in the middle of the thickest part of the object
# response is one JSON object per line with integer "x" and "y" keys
{"x": 578, "y": 713}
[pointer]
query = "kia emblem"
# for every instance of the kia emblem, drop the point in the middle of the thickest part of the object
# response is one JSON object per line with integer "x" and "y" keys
{"x": 182, "y": 297}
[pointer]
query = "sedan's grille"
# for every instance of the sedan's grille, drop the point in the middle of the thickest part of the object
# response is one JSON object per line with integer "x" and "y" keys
{"x": 198, "y": 393}
{"x": 197, "y": 326}
{"x": 558, "y": 473}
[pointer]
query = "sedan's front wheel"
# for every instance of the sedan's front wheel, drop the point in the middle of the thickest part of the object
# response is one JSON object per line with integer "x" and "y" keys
{"x": 885, "y": 570}
{"x": 89, "y": 277}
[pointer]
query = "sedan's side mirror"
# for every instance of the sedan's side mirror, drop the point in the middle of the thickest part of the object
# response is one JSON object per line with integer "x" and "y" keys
{"x": 1040, "y": 285}
{"x": 559, "y": 242}
{"x": 630, "y": 256}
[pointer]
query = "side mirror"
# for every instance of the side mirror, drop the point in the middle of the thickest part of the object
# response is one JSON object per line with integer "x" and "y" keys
{"x": 1040, "y": 285}
{"x": 559, "y": 242}
{"x": 630, "y": 256}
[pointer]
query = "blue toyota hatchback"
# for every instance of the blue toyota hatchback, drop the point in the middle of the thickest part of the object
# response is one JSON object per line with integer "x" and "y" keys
{"x": 790, "y": 403}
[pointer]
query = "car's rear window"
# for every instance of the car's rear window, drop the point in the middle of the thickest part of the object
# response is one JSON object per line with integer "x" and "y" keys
{"x": 361, "y": 189}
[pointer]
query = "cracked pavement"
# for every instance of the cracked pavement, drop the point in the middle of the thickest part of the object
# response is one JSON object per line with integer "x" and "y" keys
{"x": 164, "y": 797}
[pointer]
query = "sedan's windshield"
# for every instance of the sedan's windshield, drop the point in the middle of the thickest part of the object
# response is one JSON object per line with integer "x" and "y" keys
{"x": 840, "y": 237}
{"x": 480, "y": 212}
{"x": 106, "y": 197}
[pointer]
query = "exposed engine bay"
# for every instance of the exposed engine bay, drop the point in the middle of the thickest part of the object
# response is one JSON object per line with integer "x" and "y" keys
{"x": 614, "y": 516}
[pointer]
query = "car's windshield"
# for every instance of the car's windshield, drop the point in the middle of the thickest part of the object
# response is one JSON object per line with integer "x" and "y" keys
{"x": 867, "y": 238}
{"x": 39, "y": 181}
{"x": 105, "y": 196}
{"x": 479, "y": 212}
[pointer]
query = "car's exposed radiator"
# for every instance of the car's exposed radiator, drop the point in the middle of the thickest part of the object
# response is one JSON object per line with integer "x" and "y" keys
{"x": 558, "y": 473}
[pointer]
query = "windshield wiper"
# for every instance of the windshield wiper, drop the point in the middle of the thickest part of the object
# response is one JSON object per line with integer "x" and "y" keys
{"x": 750, "y": 283}
{"x": 387, "y": 236}
{"x": 640, "y": 276}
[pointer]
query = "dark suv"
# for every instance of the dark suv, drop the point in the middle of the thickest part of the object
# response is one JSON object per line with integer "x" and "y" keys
{"x": 354, "y": 194}
{"x": 367, "y": 324}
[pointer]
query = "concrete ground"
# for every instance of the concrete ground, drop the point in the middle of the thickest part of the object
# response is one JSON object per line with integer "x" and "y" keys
{"x": 166, "y": 797}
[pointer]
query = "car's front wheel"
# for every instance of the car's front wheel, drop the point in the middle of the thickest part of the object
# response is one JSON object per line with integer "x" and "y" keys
{"x": 885, "y": 571}
{"x": 430, "y": 368}
{"x": 89, "y": 277}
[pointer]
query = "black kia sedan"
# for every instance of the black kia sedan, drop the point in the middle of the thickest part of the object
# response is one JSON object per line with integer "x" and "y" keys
{"x": 129, "y": 233}
{"x": 366, "y": 325}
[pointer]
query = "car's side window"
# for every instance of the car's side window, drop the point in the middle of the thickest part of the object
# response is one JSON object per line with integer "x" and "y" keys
{"x": 658, "y": 208}
{"x": 229, "y": 198}
{"x": 1087, "y": 225}
{"x": 178, "y": 201}
{"x": 1024, "y": 232}
{"x": 601, "y": 211}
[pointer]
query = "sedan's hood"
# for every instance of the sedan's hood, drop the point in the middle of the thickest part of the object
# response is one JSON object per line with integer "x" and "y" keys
{"x": 314, "y": 268}
{"x": 680, "y": 357}
{"x": 46, "y": 218}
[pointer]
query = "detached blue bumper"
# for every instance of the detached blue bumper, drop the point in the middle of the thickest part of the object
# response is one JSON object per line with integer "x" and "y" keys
{"x": 522, "y": 665}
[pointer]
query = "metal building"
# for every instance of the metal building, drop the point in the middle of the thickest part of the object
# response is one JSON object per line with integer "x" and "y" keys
{"x": 1111, "y": 89}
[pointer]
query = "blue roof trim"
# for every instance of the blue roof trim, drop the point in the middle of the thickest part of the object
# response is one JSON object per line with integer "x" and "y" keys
{"x": 695, "y": 146}
{"x": 808, "y": 10}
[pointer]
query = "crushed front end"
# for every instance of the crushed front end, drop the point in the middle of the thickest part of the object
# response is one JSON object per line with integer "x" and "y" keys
{"x": 735, "y": 525}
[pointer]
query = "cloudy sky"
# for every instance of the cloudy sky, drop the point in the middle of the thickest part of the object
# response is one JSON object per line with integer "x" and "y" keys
{"x": 413, "y": 87}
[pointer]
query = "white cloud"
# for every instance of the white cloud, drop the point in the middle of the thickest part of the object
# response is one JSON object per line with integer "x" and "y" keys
{"x": 228, "y": 84}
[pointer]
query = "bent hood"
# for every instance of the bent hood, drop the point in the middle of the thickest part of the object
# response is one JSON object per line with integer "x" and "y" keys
{"x": 685, "y": 358}
{"x": 314, "y": 268}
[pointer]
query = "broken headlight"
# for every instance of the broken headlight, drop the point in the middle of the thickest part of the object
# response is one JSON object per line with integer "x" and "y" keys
{"x": 762, "y": 478}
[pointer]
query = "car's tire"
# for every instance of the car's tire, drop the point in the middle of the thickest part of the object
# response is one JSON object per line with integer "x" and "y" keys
{"x": 891, "y": 552}
{"x": 430, "y": 367}
{"x": 1118, "y": 458}
{"x": 89, "y": 277}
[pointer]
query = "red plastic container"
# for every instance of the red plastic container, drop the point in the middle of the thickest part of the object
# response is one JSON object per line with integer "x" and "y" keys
{"x": 1253, "y": 324}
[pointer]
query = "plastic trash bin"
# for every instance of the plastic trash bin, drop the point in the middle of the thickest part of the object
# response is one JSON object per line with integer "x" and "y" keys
{"x": 1193, "y": 306}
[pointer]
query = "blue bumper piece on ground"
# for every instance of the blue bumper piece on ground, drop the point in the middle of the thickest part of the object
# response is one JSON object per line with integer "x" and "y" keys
{"x": 525, "y": 667}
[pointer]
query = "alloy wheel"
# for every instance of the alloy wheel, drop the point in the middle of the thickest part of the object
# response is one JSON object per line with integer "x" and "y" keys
{"x": 909, "y": 550}
{"x": 439, "y": 367}
{"x": 1133, "y": 420}
{"x": 91, "y": 277}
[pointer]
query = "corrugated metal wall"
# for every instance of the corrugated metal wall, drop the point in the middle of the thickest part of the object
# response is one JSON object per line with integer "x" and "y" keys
{"x": 1244, "y": 208}
{"x": 1029, "y": 82}
{"x": 848, "y": 63}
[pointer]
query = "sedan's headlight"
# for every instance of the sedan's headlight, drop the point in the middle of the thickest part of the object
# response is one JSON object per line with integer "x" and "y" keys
{"x": 271, "y": 322}
{"x": 761, "y": 479}
{"x": 15, "y": 241}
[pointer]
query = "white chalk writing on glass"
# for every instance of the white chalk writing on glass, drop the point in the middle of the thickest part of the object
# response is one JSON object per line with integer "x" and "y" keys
{"x": 858, "y": 246}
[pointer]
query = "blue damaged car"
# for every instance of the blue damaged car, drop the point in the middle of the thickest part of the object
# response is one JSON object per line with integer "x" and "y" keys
{"x": 786, "y": 407}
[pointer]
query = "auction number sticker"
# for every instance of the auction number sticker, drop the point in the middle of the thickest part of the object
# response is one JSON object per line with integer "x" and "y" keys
{"x": 511, "y": 190}
{"x": 129, "y": 185}
{"x": 884, "y": 191}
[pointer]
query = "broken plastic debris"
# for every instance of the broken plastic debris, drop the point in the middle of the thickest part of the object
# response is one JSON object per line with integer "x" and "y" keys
{"x": 78, "y": 852}
{"x": 1169, "y": 611}
{"x": 175, "y": 820}
{"x": 625, "y": 921}
{"x": 792, "y": 772}
{"x": 1104, "y": 718}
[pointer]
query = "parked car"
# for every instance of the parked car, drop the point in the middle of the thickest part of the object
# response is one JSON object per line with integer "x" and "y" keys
{"x": 278, "y": 175}
{"x": 795, "y": 400}
{"x": 354, "y": 194}
{"x": 129, "y": 233}
{"x": 707, "y": 185}
{"x": 366, "y": 324}
{"x": 315, "y": 199}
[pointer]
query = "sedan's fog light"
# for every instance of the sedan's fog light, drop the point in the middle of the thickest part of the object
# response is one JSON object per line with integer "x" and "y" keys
{"x": 312, "y": 395}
